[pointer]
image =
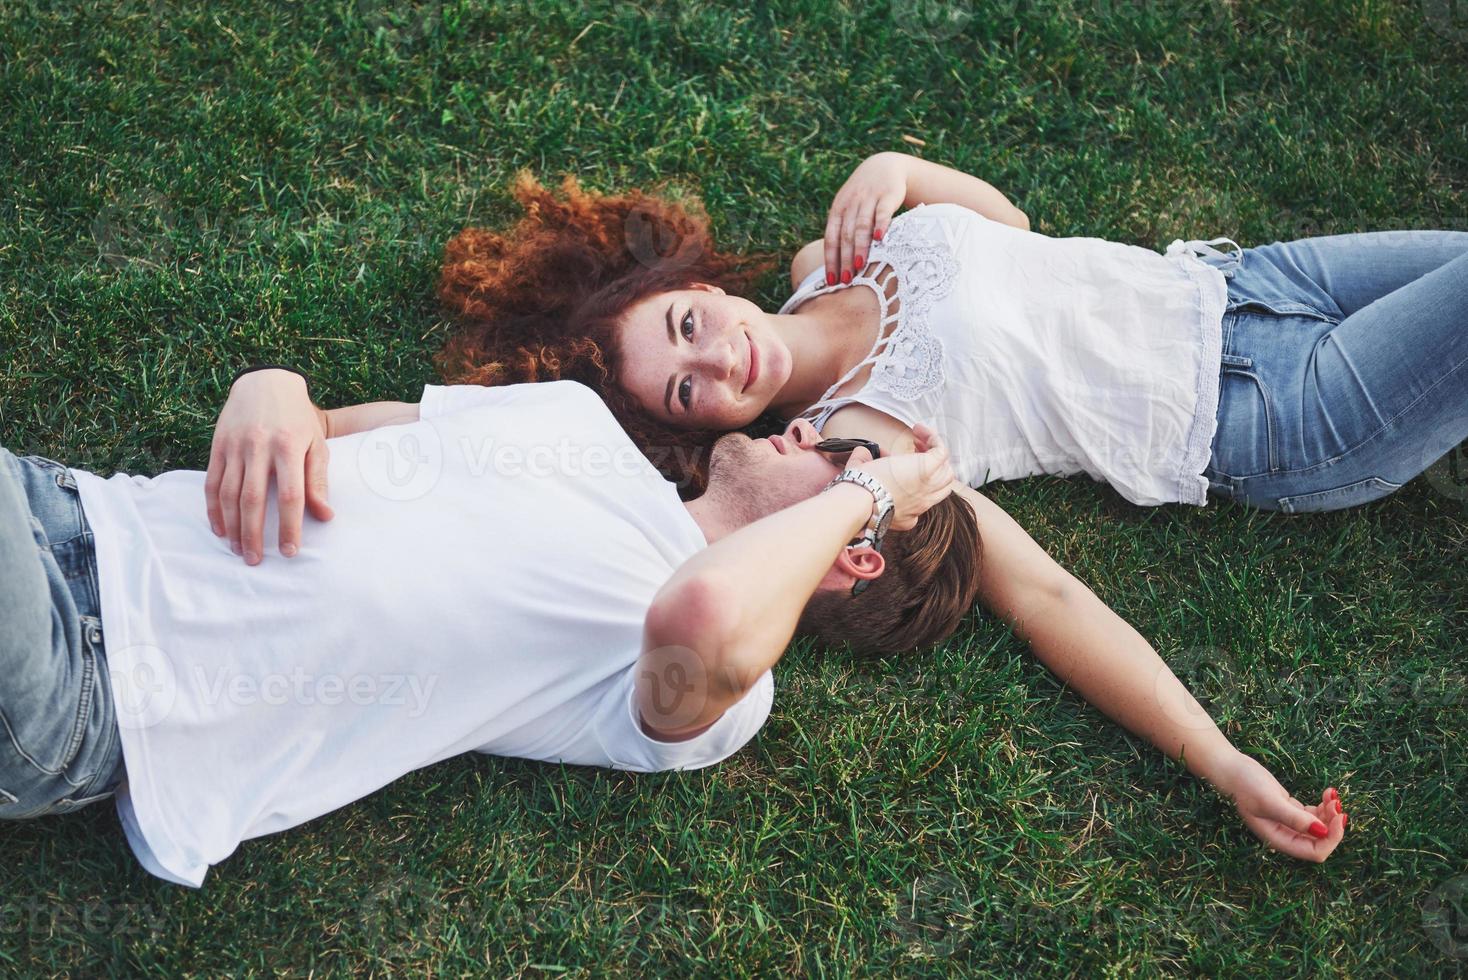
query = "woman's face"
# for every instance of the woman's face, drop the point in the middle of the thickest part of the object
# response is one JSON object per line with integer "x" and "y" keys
{"x": 701, "y": 359}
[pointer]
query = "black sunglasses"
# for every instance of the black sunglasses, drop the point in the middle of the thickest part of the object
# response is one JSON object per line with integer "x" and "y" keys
{"x": 841, "y": 449}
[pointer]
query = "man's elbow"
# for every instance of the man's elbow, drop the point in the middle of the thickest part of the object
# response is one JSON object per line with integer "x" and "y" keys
{"x": 694, "y": 620}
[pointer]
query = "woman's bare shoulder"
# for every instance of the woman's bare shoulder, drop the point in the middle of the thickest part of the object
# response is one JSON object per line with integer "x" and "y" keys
{"x": 807, "y": 260}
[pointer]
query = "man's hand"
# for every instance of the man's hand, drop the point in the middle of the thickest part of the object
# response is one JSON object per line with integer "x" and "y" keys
{"x": 267, "y": 426}
{"x": 1309, "y": 833}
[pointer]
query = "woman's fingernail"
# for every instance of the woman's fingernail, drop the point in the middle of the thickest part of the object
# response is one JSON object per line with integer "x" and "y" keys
{"x": 846, "y": 276}
{"x": 860, "y": 261}
{"x": 235, "y": 547}
{"x": 1319, "y": 829}
{"x": 830, "y": 279}
{"x": 1333, "y": 794}
{"x": 251, "y": 558}
{"x": 1338, "y": 807}
{"x": 1344, "y": 819}
{"x": 288, "y": 550}
{"x": 877, "y": 234}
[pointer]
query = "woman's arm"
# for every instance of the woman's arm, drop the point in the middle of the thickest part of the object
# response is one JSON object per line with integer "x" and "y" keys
{"x": 1098, "y": 654}
{"x": 933, "y": 183}
{"x": 1105, "y": 660}
{"x": 886, "y": 181}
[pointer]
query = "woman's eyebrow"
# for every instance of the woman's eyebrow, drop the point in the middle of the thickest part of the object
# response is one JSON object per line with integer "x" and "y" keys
{"x": 672, "y": 339}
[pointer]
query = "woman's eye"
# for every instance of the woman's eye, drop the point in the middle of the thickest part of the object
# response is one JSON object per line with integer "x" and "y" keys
{"x": 685, "y": 392}
{"x": 688, "y": 325}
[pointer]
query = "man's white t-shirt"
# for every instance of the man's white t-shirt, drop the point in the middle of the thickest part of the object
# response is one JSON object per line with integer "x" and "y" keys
{"x": 482, "y": 587}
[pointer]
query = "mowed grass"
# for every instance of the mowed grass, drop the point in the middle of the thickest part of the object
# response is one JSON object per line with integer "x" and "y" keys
{"x": 190, "y": 188}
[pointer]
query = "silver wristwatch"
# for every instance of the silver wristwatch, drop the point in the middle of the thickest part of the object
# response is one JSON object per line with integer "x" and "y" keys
{"x": 882, "y": 507}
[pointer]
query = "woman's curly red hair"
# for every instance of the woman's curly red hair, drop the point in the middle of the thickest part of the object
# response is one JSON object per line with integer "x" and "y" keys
{"x": 543, "y": 301}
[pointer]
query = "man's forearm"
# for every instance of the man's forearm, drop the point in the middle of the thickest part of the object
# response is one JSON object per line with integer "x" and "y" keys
{"x": 370, "y": 415}
{"x": 736, "y": 606}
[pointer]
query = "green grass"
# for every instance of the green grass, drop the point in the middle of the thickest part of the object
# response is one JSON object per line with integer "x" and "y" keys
{"x": 188, "y": 189}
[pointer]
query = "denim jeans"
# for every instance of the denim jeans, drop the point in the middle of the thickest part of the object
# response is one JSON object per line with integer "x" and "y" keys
{"x": 1345, "y": 367}
{"x": 59, "y": 743}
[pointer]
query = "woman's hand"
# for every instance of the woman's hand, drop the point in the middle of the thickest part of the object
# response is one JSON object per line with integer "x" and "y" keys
{"x": 267, "y": 426}
{"x": 861, "y": 212}
{"x": 917, "y": 480}
{"x": 1310, "y": 833}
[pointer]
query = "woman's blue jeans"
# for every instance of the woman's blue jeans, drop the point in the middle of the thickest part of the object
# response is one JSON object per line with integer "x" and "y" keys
{"x": 1344, "y": 370}
{"x": 59, "y": 739}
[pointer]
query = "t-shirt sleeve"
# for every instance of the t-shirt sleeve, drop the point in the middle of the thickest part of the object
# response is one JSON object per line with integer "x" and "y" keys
{"x": 629, "y": 747}
{"x": 446, "y": 399}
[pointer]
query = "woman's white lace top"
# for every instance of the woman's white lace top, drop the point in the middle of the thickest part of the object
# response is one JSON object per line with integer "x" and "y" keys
{"x": 1030, "y": 354}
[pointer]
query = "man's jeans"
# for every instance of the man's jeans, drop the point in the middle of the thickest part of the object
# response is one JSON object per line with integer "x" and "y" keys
{"x": 1345, "y": 367}
{"x": 59, "y": 743}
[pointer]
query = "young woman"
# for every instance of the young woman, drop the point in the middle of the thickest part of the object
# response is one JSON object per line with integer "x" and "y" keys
{"x": 964, "y": 306}
{"x": 1309, "y": 375}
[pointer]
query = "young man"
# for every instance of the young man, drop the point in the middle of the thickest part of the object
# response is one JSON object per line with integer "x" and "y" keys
{"x": 505, "y": 573}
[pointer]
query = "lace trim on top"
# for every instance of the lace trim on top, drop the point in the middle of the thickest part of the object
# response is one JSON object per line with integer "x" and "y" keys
{"x": 907, "y": 362}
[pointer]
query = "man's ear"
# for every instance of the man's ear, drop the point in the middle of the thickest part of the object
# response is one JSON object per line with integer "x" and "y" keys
{"x": 852, "y": 564}
{"x": 707, "y": 287}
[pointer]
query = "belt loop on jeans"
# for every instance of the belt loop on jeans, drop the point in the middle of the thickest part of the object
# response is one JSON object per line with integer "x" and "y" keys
{"x": 1230, "y": 263}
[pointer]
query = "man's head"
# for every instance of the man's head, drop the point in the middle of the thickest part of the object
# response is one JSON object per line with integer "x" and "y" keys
{"x": 921, "y": 584}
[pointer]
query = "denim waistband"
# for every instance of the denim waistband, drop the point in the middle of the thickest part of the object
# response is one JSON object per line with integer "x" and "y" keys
{"x": 1227, "y": 263}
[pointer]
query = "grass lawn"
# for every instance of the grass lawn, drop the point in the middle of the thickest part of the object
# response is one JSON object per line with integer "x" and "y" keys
{"x": 188, "y": 188}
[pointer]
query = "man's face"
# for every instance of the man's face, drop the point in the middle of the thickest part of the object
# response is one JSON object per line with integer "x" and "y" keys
{"x": 753, "y": 478}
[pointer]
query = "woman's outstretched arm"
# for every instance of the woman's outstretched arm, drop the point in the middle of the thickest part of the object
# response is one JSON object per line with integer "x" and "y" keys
{"x": 1105, "y": 660}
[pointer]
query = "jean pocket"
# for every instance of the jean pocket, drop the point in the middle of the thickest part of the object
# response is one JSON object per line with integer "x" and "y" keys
{"x": 1339, "y": 498}
{"x": 69, "y": 804}
{"x": 1244, "y": 443}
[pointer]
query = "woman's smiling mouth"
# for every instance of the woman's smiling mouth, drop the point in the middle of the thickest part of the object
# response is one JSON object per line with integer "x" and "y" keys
{"x": 753, "y": 364}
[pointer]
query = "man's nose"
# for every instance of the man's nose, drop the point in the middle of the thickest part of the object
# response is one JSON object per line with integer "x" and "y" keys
{"x": 802, "y": 434}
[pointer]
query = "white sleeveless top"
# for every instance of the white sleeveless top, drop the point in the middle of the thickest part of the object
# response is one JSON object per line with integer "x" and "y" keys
{"x": 1030, "y": 354}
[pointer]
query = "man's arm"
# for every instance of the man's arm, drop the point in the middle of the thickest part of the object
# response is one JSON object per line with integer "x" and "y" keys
{"x": 369, "y": 415}
{"x": 269, "y": 427}
{"x": 727, "y": 614}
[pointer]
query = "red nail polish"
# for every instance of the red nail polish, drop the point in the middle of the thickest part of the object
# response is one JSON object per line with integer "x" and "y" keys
{"x": 846, "y": 276}
{"x": 1344, "y": 819}
{"x": 1338, "y": 807}
{"x": 860, "y": 261}
{"x": 830, "y": 279}
{"x": 1333, "y": 794}
{"x": 877, "y": 234}
{"x": 1319, "y": 829}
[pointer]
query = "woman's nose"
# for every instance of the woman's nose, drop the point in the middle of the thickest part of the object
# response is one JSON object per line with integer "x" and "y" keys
{"x": 720, "y": 362}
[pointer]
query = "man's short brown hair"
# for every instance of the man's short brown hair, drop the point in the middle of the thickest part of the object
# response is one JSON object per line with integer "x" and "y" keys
{"x": 929, "y": 584}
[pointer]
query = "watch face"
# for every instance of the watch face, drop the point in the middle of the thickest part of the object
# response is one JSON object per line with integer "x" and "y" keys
{"x": 884, "y": 522}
